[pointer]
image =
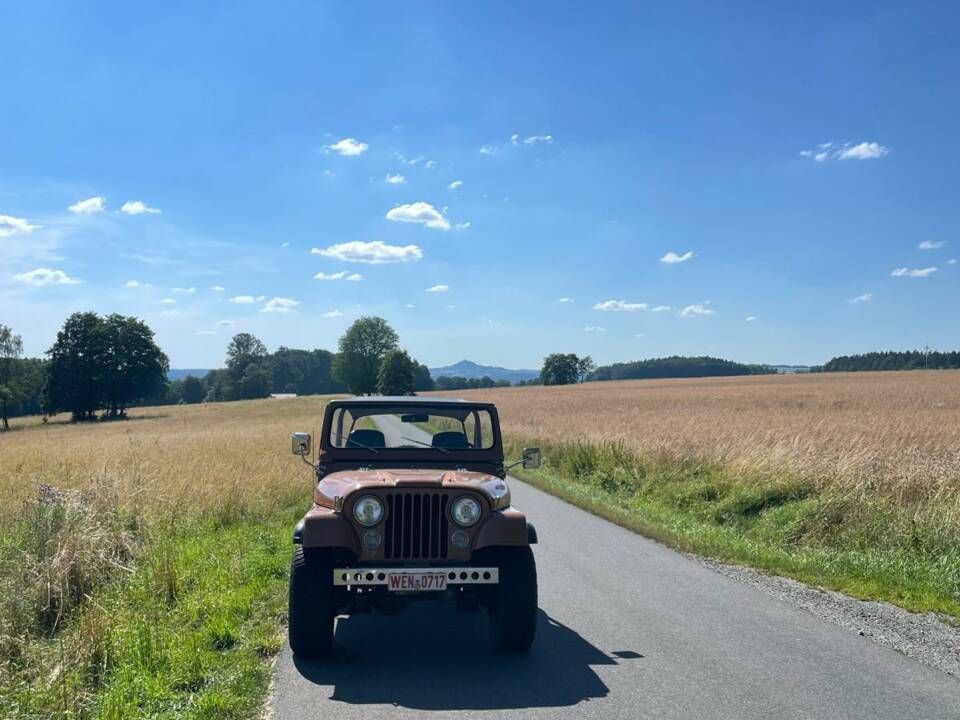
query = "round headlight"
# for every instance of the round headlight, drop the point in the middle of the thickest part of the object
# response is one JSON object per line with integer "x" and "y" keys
{"x": 368, "y": 510}
{"x": 465, "y": 511}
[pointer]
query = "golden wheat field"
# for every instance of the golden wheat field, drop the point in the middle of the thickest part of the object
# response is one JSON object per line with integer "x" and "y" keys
{"x": 202, "y": 456}
{"x": 894, "y": 433}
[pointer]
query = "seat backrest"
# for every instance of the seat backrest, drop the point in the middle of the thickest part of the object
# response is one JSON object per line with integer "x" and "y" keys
{"x": 452, "y": 439}
{"x": 366, "y": 438}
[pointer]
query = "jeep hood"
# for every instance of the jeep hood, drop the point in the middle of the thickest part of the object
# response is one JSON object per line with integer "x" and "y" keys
{"x": 339, "y": 485}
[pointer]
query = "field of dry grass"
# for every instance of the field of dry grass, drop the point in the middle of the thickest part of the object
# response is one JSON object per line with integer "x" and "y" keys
{"x": 895, "y": 434}
{"x": 204, "y": 457}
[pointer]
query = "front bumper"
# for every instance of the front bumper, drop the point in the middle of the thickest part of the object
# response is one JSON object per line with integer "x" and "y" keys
{"x": 352, "y": 577}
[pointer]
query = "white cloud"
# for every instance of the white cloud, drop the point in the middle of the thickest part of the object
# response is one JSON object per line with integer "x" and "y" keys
{"x": 455, "y": 184}
{"x": 916, "y": 272}
{"x": 461, "y": 226}
{"x": 952, "y": 261}
{"x": 168, "y": 301}
{"x": 170, "y": 312}
{"x": 409, "y": 305}
{"x": 849, "y": 151}
{"x": 41, "y": 277}
{"x": 697, "y": 309}
{"x": 565, "y": 300}
{"x": 595, "y": 328}
{"x": 374, "y": 253}
{"x": 333, "y": 314}
{"x": 329, "y": 173}
{"x": 134, "y": 284}
{"x": 188, "y": 291}
{"x": 438, "y": 288}
{"x": 863, "y": 151}
{"x": 342, "y": 275}
{"x": 243, "y": 300}
{"x": 419, "y": 212}
{"x": 672, "y": 258}
{"x": 218, "y": 288}
{"x": 136, "y": 207}
{"x": 205, "y": 332}
{"x": 534, "y": 139}
{"x": 284, "y": 245}
{"x": 488, "y": 150}
{"x": 661, "y": 308}
{"x": 430, "y": 164}
{"x": 619, "y": 306}
{"x": 280, "y": 305}
{"x": 932, "y": 244}
{"x": 348, "y": 147}
{"x": 225, "y": 323}
{"x": 750, "y": 318}
{"x": 88, "y": 206}
{"x": 396, "y": 179}
{"x": 865, "y": 297}
{"x": 10, "y": 225}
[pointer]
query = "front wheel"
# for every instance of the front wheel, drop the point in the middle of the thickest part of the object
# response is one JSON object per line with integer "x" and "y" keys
{"x": 311, "y": 616}
{"x": 513, "y": 612}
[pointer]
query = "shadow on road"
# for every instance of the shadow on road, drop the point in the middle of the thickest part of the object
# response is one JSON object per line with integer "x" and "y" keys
{"x": 433, "y": 658}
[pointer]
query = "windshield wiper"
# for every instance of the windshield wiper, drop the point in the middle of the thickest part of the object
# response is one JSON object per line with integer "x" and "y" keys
{"x": 352, "y": 443}
{"x": 419, "y": 442}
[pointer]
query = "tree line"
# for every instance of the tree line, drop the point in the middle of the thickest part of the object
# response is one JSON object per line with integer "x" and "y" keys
{"x": 109, "y": 364}
{"x": 892, "y": 360}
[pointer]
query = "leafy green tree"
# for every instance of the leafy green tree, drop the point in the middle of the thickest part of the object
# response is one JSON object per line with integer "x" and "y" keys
{"x": 11, "y": 348}
{"x": 560, "y": 369}
{"x": 193, "y": 390}
{"x": 255, "y": 382}
{"x": 422, "y": 379}
{"x": 244, "y": 349}
{"x": 362, "y": 347}
{"x": 396, "y": 374}
{"x": 75, "y": 373}
{"x": 134, "y": 367}
{"x": 585, "y": 366}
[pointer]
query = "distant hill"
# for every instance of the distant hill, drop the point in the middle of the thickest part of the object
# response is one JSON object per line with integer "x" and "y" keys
{"x": 468, "y": 369}
{"x": 893, "y": 360}
{"x": 181, "y": 373}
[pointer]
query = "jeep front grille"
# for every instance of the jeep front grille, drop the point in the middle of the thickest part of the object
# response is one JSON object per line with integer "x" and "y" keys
{"x": 417, "y": 526}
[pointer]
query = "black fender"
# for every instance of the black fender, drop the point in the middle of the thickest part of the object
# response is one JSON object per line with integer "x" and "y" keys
{"x": 531, "y": 534}
{"x": 298, "y": 533}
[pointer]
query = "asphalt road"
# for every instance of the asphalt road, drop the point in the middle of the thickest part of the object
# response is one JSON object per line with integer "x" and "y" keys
{"x": 628, "y": 629}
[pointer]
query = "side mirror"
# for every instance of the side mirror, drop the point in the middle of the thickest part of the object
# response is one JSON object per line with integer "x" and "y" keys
{"x": 531, "y": 458}
{"x": 302, "y": 443}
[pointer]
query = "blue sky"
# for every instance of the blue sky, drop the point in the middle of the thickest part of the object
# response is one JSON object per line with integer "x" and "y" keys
{"x": 538, "y": 152}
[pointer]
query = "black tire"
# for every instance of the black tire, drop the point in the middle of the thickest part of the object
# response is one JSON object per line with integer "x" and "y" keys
{"x": 513, "y": 612}
{"x": 311, "y": 612}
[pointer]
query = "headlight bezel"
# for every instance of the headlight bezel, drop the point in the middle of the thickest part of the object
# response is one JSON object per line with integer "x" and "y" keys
{"x": 363, "y": 499}
{"x": 463, "y": 500}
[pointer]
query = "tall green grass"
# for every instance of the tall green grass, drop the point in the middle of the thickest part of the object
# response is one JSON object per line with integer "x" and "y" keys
{"x": 112, "y": 614}
{"x": 869, "y": 546}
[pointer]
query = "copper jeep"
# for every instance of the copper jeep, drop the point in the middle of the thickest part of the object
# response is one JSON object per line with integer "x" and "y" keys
{"x": 411, "y": 503}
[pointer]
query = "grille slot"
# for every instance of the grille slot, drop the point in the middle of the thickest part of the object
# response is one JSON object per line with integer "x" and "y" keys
{"x": 416, "y": 527}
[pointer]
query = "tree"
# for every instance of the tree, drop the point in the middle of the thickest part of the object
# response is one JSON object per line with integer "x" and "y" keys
{"x": 362, "y": 347}
{"x": 396, "y": 374}
{"x": 244, "y": 350}
{"x": 192, "y": 391}
{"x": 422, "y": 379}
{"x": 135, "y": 368}
{"x": 75, "y": 374}
{"x": 560, "y": 369}
{"x": 255, "y": 382}
{"x": 585, "y": 366}
{"x": 11, "y": 348}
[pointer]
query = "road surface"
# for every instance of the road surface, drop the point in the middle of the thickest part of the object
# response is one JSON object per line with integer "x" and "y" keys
{"x": 627, "y": 629}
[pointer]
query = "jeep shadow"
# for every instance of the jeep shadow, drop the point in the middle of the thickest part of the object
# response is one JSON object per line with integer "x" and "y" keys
{"x": 437, "y": 659}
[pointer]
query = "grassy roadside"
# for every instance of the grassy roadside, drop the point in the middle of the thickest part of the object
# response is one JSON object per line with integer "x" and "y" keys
{"x": 183, "y": 626}
{"x": 867, "y": 547}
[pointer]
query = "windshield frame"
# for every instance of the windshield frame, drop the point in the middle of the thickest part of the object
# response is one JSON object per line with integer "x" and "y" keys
{"x": 359, "y": 407}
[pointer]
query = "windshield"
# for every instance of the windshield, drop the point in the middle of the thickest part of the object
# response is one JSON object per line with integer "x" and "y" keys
{"x": 439, "y": 429}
